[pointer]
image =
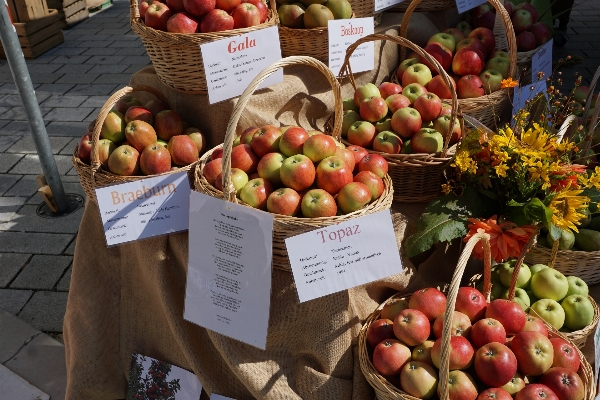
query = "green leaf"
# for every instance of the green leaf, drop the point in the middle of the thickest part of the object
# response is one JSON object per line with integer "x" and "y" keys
{"x": 594, "y": 196}
{"x": 555, "y": 232}
{"x": 532, "y": 212}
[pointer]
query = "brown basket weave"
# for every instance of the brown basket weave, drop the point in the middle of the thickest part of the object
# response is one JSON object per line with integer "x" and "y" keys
{"x": 416, "y": 177}
{"x": 426, "y": 5}
{"x": 176, "y": 57}
{"x": 284, "y": 226}
{"x": 486, "y": 108}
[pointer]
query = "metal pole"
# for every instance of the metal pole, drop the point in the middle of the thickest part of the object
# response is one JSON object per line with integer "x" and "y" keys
{"x": 20, "y": 73}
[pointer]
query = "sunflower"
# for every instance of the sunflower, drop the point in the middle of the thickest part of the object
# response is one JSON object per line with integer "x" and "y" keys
{"x": 566, "y": 206}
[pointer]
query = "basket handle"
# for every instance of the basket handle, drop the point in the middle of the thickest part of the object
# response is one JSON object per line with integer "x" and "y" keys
{"x": 228, "y": 189}
{"x": 134, "y": 10}
{"x": 510, "y": 33}
{"x": 451, "y": 302}
{"x": 346, "y": 70}
{"x": 565, "y": 127}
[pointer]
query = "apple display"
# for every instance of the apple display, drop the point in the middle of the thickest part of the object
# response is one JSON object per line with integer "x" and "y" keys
{"x": 124, "y": 161}
{"x": 318, "y": 203}
{"x": 379, "y": 331}
{"x": 579, "y": 311}
{"x": 387, "y": 142}
{"x": 487, "y": 330}
{"x": 495, "y": 364}
{"x": 411, "y": 327}
{"x": 374, "y": 163}
{"x": 390, "y": 356}
{"x": 534, "y": 352}
{"x": 298, "y": 172}
{"x": 416, "y": 73}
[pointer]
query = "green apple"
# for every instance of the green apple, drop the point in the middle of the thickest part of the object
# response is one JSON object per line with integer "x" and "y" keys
{"x": 549, "y": 284}
{"x": 579, "y": 311}
{"x": 565, "y": 242}
{"x": 348, "y": 105}
{"x": 550, "y": 311}
{"x": 521, "y": 298}
{"x": 497, "y": 288}
{"x": 535, "y": 268}
{"x": 350, "y": 117}
{"x": 577, "y": 286}
{"x": 532, "y": 298}
{"x": 506, "y": 269}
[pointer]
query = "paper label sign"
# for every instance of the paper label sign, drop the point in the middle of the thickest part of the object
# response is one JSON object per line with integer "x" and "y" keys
{"x": 344, "y": 32}
{"x": 542, "y": 61}
{"x": 597, "y": 354}
{"x": 522, "y": 94}
{"x": 144, "y": 208}
{"x": 230, "y": 64}
{"x": 466, "y": 5}
{"x": 383, "y": 4}
{"x": 229, "y": 269}
{"x": 343, "y": 256}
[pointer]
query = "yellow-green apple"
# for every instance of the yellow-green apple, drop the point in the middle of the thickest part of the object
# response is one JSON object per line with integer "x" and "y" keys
{"x": 392, "y": 307}
{"x": 84, "y": 148}
{"x": 406, "y": 122}
{"x": 217, "y": 153}
{"x": 510, "y": 314}
{"x": 429, "y": 106}
{"x": 348, "y": 105}
{"x": 565, "y": 383}
{"x": 491, "y": 80}
{"x": 157, "y": 16}
{"x": 318, "y": 203}
{"x": 565, "y": 354}
{"x": 374, "y": 163}
{"x": 494, "y": 394}
{"x": 486, "y": 36}
{"x": 536, "y": 391}
{"x": 248, "y": 134}
{"x": 464, "y": 27}
{"x": 470, "y": 302}
{"x": 404, "y": 65}
{"x": 580, "y": 94}
{"x": 243, "y": 157}
{"x": 577, "y": 286}
{"x": 227, "y": 5}
{"x": 156, "y": 106}
{"x": 536, "y": 268}
{"x": 269, "y": 168}
{"x": 113, "y": 127}
{"x": 389, "y": 356}
{"x": 461, "y": 386}
{"x": 461, "y": 353}
{"x": 256, "y": 192}
{"x": 332, "y": 174}
{"x": 515, "y": 384}
{"x": 416, "y": 73}
{"x": 297, "y": 172}
{"x": 383, "y": 125}
{"x": 521, "y": 298}
{"x": 534, "y": 352}
{"x": 155, "y": 159}
{"x": 498, "y": 64}
{"x": 412, "y": 327}
{"x": 105, "y": 148}
{"x": 197, "y": 137}
{"x": 212, "y": 169}
{"x": 291, "y": 15}
{"x": 265, "y": 140}
{"x": 387, "y": 142}
{"x": 349, "y": 118}
{"x": 467, "y": 62}
{"x": 362, "y": 133}
{"x": 175, "y": 5}
{"x": 375, "y": 185}
{"x": 535, "y": 324}
{"x": 238, "y": 179}
{"x": 579, "y": 311}
{"x": 140, "y": 134}
{"x": 246, "y": 15}
{"x": 353, "y": 196}
{"x": 359, "y": 153}
{"x": 437, "y": 86}
{"x": 183, "y": 150}
{"x": 429, "y": 301}
{"x": 397, "y": 101}
{"x": 125, "y": 161}
{"x": 499, "y": 53}
{"x": 442, "y": 125}
{"x": 419, "y": 379}
{"x": 473, "y": 44}
{"x": 469, "y": 86}
{"x": 445, "y": 39}
{"x": 138, "y": 113}
{"x": 525, "y": 41}
{"x": 284, "y": 201}
{"x": 440, "y": 53}
{"x": 373, "y": 109}
{"x": 386, "y": 89}
{"x": 549, "y": 284}
{"x": 319, "y": 147}
{"x": 317, "y": 16}
{"x": 182, "y": 22}
{"x": 505, "y": 272}
{"x": 486, "y": 20}
{"x": 460, "y": 325}
{"x": 495, "y": 364}
{"x": 522, "y": 21}
{"x": 427, "y": 140}
{"x": 380, "y": 330}
{"x": 550, "y": 311}
{"x": 364, "y": 92}
{"x": 487, "y": 330}
{"x": 422, "y": 352}
{"x": 167, "y": 124}
{"x": 413, "y": 91}
{"x": 529, "y": 7}
{"x": 216, "y": 21}
{"x": 347, "y": 156}
{"x": 455, "y": 33}
{"x": 341, "y": 9}
{"x": 292, "y": 141}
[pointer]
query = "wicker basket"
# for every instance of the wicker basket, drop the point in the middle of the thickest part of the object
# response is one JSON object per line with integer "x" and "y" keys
{"x": 417, "y": 177}
{"x": 176, "y": 57}
{"x": 584, "y": 264}
{"x": 426, "y": 5}
{"x": 486, "y": 108}
{"x": 94, "y": 176}
{"x": 284, "y": 226}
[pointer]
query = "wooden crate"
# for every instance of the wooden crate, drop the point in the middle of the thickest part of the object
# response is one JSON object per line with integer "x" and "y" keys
{"x": 27, "y": 10}
{"x": 77, "y": 18}
{"x": 38, "y": 36}
{"x": 72, "y": 9}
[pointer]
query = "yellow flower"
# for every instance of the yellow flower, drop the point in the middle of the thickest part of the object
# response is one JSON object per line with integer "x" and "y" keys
{"x": 446, "y": 188}
{"x": 464, "y": 162}
{"x": 501, "y": 170}
{"x": 508, "y": 83}
{"x": 536, "y": 137}
{"x": 567, "y": 209}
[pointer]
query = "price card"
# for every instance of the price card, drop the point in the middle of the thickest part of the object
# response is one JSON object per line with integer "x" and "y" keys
{"x": 383, "y": 4}
{"x": 343, "y": 256}
{"x": 144, "y": 208}
{"x": 522, "y": 94}
{"x": 230, "y": 64}
{"x": 597, "y": 354}
{"x": 542, "y": 61}
{"x": 229, "y": 269}
{"x": 466, "y": 5}
{"x": 344, "y": 32}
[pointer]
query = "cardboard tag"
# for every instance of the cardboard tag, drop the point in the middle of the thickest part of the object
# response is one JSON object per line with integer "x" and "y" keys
{"x": 522, "y": 94}
{"x": 466, "y": 5}
{"x": 229, "y": 269}
{"x": 144, "y": 208}
{"x": 383, "y": 4}
{"x": 215, "y": 396}
{"x": 343, "y": 256}
{"x": 542, "y": 61}
{"x": 230, "y": 64}
{"x": 344, "y": 32}
{"x": 597, "y": 354}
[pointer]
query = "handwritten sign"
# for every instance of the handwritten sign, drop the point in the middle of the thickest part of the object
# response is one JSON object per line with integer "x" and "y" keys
{"x": 229, "y": 270}
{"x": 344, "y": 32}
{"x": 542, "y": 61}
{"x": 383, "y": 4}
{"x": 466, "y": 5}
{"x": 230, "y": 64}
{"x": 144, "y": 208}
{"x": 522, "y": 94}
{"x": 345, "y": 255}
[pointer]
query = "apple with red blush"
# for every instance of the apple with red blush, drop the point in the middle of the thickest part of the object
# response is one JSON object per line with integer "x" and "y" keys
{"x": 157, "y": 15}
{"x": 84, "y": 148}
{"x": 386, "y": 89}
{"x": 374, "y": 163}
{"x": 216, "y": 20}
{"x": 565, "y": 383}
{"x": 486, "y": 36}
{"x": 430, "y": 301}
{"x": 467, "y": 62}
{"x": 243, "y": 157}
{"x": 292, "y": 141}
{"x": 359, "y": 153}
{"x": 362, "y": 133}
{"x": 387, "y": 142}
{"x": 534, "y": 352}
{"x": 199, "y": 7}
{"x": 510, "y": 314}
{"x": 494, "y": 394}
{"x": 460, "y": 325}
{"x": 265, "y": 140}
{"x": 373, "y": 109}
{"x": 155, "y": 159}
{"x": 469, "y": 86}
{"x": 264, "y": 11}
{"x": 565, "y": 354}
{"x": 406, "y": 122}
{"x": 332, "y": 174}
{"x": 442, "y": 54}
{"x": 245, "y": 15}
{"x": 212, "y": 169}
{"x": 256, "y": 192}
{"x": 437, "y": 86}
{"x": 536, "y": 391}
{"x": 390, "y": 356}
{"x": 297, "y": 172}
{"x": 284, "y": 201}
{"x": 397, "y": 101}
{"x": 535, "y": 324}
{"x": 352, "y": 197}
{"x": 487, "y": 330}
{"x": 429, "y": 106}
{"x": 380, "y": 330}
{"x": 461, "y": 353}
{"x": 412, "y": 327}
{"x": 495, "y": 364}
{"x": 470, "y": 302}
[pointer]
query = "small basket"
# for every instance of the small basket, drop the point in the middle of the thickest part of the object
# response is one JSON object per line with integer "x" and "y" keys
{"x": 426, "y": 5}
{"x": 584, "y": 264}
{"x": 284, "y": 226}
{"x": 489, "y": 107}
{"x": 176, "y": 57}
{"x": 416, "y": 177}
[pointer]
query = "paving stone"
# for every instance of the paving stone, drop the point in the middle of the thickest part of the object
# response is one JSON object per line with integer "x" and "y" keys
{"x": 34, "y": 243}
{"x": 7, "y": 141}
{"x": 7, "y": 161}
{"x": 13, "y": 334}
{"x": 11, "y": 265}
{"x": 45, "y": 311}
{"x": 14, "y": 100}
{"x": 15, "y": 128}
{"x": 68, "y": 114}
{"x": 67, "y": 51}
{"x": 71, "y": 251}
{"x": 43, "y": 68}
{"x": 17, "y": 113}
{"x": 65, "y": 281}
{"x": 93, "y": 90}
{"x": 78, "y": 78}
{"x": 69, "y": 59}
{"x": 93, "y": 115}
{"x": 43, "y": 59}
{"x": 12, "y": 386}
{"x": 90, "y": 43}
{"x": 55, "y": 88}
{"x": 9, "y": 206}
{"x": 45, "y": 78}
{"x": 108, "y": 69}
{"x": 42, "y": 272}
{"x": 3, "y": 123}
{"x": 13, "y": 301}
{"x": 124, "y": 44}
{"x": 127, "y": 37}
{"x": 80, "y": 31}
{"x": 94, "y": 101}
{"x": 100, "y": 51}
{"x": 27, "y": 145}
{"x": 30, "y": 164}
{"x": 135, "y": 68}
{"x": 95, "y": 36}
{"x": 27, "y": 220}
{"x": 26, "y": 187}
{"x": 69, "y": 147}
{"x": 122, "y": 79}
{"x": 111, "y": 60}
{"x": 74, "y": 69}
{"x": 7, "y": 182}
{"x": 6, "y": 77}
{"x": 130, "y": 51}
{"x": 73, "y": 129}
{"x": 62, "y": 101}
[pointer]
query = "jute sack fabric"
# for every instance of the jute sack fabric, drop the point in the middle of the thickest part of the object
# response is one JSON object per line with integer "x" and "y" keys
{"x": 130, "y": 298}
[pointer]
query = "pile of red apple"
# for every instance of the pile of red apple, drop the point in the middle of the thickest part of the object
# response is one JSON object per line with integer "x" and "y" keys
{"x": 471, "y": 60}
{"x": 392, "y": 119}
{"x": 497, "y": 352}
{"x": 143, "y": 140}
{"x": 292, "y": 172}
{"x": 202, "y": 16}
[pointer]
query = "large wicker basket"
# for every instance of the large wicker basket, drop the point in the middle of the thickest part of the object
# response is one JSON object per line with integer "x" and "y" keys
{"x": 487, "y": 109}
{"x": 416, "y": 177}
{"x": 284, "y": 226}
{"x": 426, "y": 5}
{"x": 176, "y": 57}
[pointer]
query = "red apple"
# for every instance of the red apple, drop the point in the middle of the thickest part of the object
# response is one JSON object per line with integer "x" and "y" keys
{"x": 473, "y": 44}
{"x": 347, "y": 156}
{"x": 248, "y": 134}
{"x": 155, "y": 159}
{"x": 456, "y": 33}
{"x": 157, "y": 16}
{"x": 460, "y": 326}
{"x": 199, "y": 7}
{"x": 197, "y": 137}
{"x": 353, "y": 197}
{"x": 243, "y": 157}
{"x": 183, "y": 150}
{"x": 264, "y": 12}
{"x": 292, "y": 141}
{"x": 266, "y": 140}
{"x": 480, "y": 10}
{"x": 437, "y": 86}
{"x": 516, "y": 384}
{"x": 565, "y": 354}
{"x": 429, "y": 106}
{"x": 495, "y": 364}
{"x": 469, "y": 86}
{"x": 297, "y": 172}
{"x": 175, "y": 5}
{"x": 526, "y": 41}
{"x": 442, "y": 54}
{"x": 461, "y": 353}
{"x": 467, "y": 62}
{"x": 125, "y": 102}
{"x": 286, "y": 201}
{"x": 140, "y": 134}
{"x": 317, "y": 203}
{"x": 536, "y": 391}
{"x": 372, "y": 182}
{"x": 227, "y": 5}
{"x": 373, "y": 109}
{"x": 139, "y": 113}
{"x": 156, "y": 106}
{"x": 461, "y": 386}
{"x": 167, "y": 124}
{"x": 245, "y": 15}
{"x": 522, "y": 21}
{"x": 380, "y": 330}
{"x": 374, "y": 163}
{"x": 332, "y": 174}
{"x": 212, "y": 169}
{"x": 541, "y": 32}
{"x": 416, "y": 73}
{"x": 494, "y": 394}
{"x": 534, "y": 352}
{"x": 406, "y": 122}
{"x": 486, "y": 20}
{"x": 143, "y": 6}
{"x": 361, "y": 133}
{"x": 535, "y": 324}
{"x": 411, "y": 327}
{"x": 386, "y": 89}
{"x": 397, "y": 101}
{"x": 256, "y": 192}
{"x": 363, "y": 92}
{"x": 529, "y": 7}
{"x": 182, "y": 22}
{"x": 84, "y": 148}
{"x": 471, "y": 302}
{"x": 486, "y": 36}
{"x": 318, "y": 147}
{"x": 387, "y": 142}
{"x": 442, "y": 125}
{"x": 389, "y": 356}
{"x": 124, "y": 161}
{"x": 216, "y": 21}
{"x": 217, "y": 153}
{"x": 359, "y": 153}
{"x": 430, "y": 301}
{"x": 565, "y": 383}
{"x": 487, "y": 330}
{"x": 510, "y": 314}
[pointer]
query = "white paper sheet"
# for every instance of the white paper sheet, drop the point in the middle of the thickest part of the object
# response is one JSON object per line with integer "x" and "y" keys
{"x": 384, "y": 4}
{"x": 344, "y": 32}
{"x": 542, "y": 61}
{"x": 466, "y": 5}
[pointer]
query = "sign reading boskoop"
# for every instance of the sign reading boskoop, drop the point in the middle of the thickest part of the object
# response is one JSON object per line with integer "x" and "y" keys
{"x": 344, "y": 32}
{"x": 542, "y": 61}
{"x": 466, "y": 5}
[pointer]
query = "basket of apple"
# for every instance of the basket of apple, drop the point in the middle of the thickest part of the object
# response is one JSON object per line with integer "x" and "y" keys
{"x": 173, "y": 31}
{"x": 426, "y": 5}
{"x": 477, "y": 63}
{"x": 308, "y": 180}
{"x": 410, "y": 127}
{"x": 130, "y": 141}
{"x": 462, "y": 347}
